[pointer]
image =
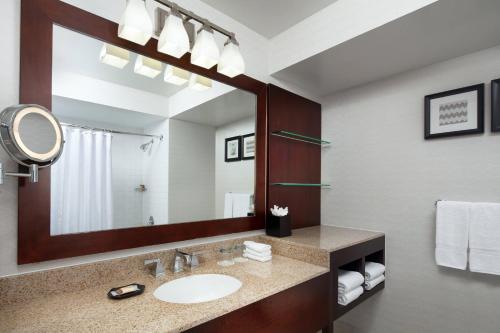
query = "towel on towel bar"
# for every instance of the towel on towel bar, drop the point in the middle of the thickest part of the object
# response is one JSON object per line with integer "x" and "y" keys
{"x": 347, "y": 298}
{"x": 484, "y": 239}
{"x": 349, "y": 280}
{"x": 452, "y": 233}
{"x": 370, "y": 284}
{"x": 373, "y": 270}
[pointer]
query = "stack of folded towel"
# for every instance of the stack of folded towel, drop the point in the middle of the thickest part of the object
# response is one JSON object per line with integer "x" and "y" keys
{"x": 350, "y": 286}
{"x": 257, "y": 251}
{"x": 374, "y": 274}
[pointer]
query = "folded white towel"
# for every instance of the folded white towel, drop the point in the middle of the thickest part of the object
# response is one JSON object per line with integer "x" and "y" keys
{"x": 255, "y": 253}
{"x": 484, "y": 240}
{"x": 370, "y": 284}
{"x": 258, "y": 258}
{"x": 345, "y": 299}
{"x": 349, "y": 280}
{"x": 373, "y": 270}
{"x": 452, "y": 233}
{"x": 258, "y": 247}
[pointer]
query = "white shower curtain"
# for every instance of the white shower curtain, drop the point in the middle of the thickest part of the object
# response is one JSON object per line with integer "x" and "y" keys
{"x": 81, "y": 186}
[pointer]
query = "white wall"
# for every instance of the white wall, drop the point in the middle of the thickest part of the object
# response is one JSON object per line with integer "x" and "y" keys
{"x": 237, "y": 177}
{"x": 191, "y": 172}
{"x": 386, "y": 177}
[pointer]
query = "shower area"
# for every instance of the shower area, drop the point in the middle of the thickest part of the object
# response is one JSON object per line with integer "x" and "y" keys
{"x": 110, "y": 177}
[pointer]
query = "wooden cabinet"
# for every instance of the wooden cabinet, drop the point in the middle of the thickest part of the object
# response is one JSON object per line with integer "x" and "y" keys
{"x": 300, "y": 309}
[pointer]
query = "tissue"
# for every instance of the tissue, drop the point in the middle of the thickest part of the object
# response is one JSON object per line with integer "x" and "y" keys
{"x": 279, "y": 211}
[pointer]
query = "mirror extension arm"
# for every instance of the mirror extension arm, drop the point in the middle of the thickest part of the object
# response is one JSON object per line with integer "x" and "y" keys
{"x": 32, "y": 175}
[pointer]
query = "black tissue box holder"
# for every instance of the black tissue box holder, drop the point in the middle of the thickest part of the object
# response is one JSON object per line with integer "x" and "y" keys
{"x": 279, "y": 226}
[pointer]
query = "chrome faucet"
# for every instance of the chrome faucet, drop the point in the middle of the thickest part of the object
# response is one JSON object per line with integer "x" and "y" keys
{"x": 159, "y": 269}
{"x": 182, "y": 259}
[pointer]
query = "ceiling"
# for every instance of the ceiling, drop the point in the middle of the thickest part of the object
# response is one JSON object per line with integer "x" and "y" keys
{"x": 86, "y": 113}
{"x": 438, "y": 32}
{"x": 222, "y": 110}
{"x": 77, "y": 53}
{"x": 269, "y": 18}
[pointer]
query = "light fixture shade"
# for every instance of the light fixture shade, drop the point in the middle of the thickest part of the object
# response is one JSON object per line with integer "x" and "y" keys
{"x": 147, "y": 66}
{"x": 205, "y": 51}
{"x": 135, "y": 23}
{"x": 114, "y": 56}
{"x": 231, "y": 61}
{"x": 176, "y": 75}
{"x": 200, "y": 83}
{"x": 174, "y": 39}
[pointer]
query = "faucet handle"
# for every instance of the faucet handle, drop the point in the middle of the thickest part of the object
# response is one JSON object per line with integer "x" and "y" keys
{"x": 159, "y": 268}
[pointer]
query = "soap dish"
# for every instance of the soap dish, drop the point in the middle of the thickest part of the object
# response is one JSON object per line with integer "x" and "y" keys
{"x": 127, "y": 291}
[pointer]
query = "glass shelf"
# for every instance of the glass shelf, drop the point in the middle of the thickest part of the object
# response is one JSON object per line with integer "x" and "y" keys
{"x": 300, "y": 137}
{"x": 301, "y": 185}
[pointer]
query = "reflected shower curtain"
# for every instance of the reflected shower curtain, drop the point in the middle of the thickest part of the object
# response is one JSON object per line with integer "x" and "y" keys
{"x": 81, "y": 186}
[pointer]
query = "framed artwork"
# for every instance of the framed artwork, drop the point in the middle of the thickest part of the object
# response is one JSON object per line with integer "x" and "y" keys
{"x": 455, "y": 112}
{"x": 495, "y": 105}
{"x": 248, "y": 146}
{"x": 232, "y": 151}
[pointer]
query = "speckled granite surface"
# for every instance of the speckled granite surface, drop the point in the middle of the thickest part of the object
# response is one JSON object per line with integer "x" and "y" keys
{"x": 328, "y": 238}
{"x": 89, "y": 310}
{"x": 73, "y": 299}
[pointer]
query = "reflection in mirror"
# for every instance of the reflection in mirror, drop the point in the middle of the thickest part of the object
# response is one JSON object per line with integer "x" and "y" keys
{"x": 146, "y": 142}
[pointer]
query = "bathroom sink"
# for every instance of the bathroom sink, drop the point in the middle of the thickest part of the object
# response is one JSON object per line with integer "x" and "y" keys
{"x": 197, "y": 288}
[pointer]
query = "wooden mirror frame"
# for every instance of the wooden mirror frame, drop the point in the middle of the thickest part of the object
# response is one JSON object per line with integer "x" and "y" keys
{"x": 35, "y": 243}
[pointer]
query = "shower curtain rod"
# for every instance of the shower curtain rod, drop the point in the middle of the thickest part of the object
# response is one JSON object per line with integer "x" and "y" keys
{"x": 160, "y": 137}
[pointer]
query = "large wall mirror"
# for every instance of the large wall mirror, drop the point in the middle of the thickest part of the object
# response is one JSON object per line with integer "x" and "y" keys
{"x": 156, "y": 149}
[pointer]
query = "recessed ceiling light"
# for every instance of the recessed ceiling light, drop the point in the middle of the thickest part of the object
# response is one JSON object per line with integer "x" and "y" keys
{"x": 200, "y": 83}
{"x": 176, "y": 75}
{"x": 147, "y": 66}
{"x": 114, "y": 56}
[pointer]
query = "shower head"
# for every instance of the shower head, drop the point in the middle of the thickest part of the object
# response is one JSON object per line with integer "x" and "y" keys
{"x": 146, "y": 146}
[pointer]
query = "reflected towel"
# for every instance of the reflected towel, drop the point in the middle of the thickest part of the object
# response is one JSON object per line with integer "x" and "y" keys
{"x": 484, "y": 242}
{"x": 347, "y": 298}
{"x": 349, "y": 280}
{"x": 373, "y": 270}
{"x": 370, "y": 284}
{"x": 452, "y": 233}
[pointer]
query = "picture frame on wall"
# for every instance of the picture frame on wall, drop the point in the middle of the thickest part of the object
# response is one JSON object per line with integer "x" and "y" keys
{"x": 495, "y": 105}
{"x": 248, "y": 146}
{"x": 232, "y": 150}
{"x": 455, "y": 112}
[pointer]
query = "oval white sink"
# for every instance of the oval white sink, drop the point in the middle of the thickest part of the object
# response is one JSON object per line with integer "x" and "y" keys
{"x": 197, "y": 288}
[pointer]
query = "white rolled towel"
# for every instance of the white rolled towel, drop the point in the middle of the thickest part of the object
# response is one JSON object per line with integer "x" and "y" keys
{"x": 347, "y": 298}
{"x": 254, "y": 257}
{"x": 349, "y": 280}
{"x": 255, "y": 253}
{"x": 373, "y": 270}
{"x": 370, "y": 284}
{"x": 257, "y": 247}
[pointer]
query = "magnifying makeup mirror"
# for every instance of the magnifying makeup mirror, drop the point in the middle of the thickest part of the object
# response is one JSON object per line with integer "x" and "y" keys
{"x": 32, "y": 137}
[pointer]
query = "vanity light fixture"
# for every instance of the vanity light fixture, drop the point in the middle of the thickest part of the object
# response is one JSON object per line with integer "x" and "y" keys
{"x": 205, "y": 51}
{"x": 114, "y": 56}
{"x": 147, "y": 66}
{"x": 176, "y": 75}
{"x": 199, "y": 83}
{"x": 174, "y": 39}
{"x": 135, "y": 23}
{"x": 231, "y": 61}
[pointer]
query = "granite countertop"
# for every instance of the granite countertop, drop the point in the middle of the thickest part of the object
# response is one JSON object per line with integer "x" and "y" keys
{"x": 328, "y": 238}
{"x": 89, "y": 310}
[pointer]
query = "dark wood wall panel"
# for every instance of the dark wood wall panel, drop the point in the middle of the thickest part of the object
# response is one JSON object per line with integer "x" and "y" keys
{"x": 294, "y": 161}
